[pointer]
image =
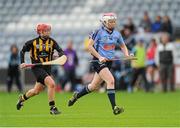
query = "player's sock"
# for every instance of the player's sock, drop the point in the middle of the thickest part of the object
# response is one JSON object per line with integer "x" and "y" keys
{"x": 24, "y": 97}
{"x": 83, "y": 92}
{"x": 51, "y": 104}
{"x": 111, "y": 96}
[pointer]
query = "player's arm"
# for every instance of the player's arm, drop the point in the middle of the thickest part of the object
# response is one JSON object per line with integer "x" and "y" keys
{"x": 25, "y": 49}
{"x": 94, "y": 37}
{"x": 124, "y": 49}
{"x": 58, "y": 49}
{"x": 123, "y": 45}
{"x": 94, "y": 52}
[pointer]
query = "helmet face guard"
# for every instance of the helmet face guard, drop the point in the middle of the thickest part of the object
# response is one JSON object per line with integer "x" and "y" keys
{"x": 109, "y": 20}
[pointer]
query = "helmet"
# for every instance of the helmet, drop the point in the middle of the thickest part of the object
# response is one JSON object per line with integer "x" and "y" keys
{"x": 106, "y": 17}
{"x": 42, "y": 27}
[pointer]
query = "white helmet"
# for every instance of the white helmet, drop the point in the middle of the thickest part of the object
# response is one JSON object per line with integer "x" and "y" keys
{"x": 106, "y": 17}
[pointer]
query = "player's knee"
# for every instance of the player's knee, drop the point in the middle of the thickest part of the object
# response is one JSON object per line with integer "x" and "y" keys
{"x": 110, "y": 82}
{"x": 49, "y": 82}
{"x": 51, "y": 85}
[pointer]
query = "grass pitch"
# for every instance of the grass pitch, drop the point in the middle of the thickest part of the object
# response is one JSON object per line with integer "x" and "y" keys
{"x": 141, "y": 109}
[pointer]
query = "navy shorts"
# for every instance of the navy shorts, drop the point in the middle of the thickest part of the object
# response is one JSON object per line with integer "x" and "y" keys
{"x": 41, "y": 72}
{"x": 97, "y": 66}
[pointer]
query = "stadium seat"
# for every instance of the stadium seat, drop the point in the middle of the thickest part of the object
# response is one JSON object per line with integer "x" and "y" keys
{"x": 74, "y": 18}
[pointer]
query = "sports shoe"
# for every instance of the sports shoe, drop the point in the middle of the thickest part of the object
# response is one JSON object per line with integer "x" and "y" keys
{"x": 73, "y": 99}
{"x": 19, "y": 103}
{"x": 54, "y": 111}
{"x": 117, "y": 110}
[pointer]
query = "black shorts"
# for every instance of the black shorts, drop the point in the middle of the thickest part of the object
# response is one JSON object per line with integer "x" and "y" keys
{"x": 152, "y": 65}
{"x": 41, "y": 72}
{"x": 97, "y": 66}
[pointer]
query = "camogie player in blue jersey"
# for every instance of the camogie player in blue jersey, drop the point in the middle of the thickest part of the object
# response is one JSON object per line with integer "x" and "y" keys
{"x": 102, "y": 44}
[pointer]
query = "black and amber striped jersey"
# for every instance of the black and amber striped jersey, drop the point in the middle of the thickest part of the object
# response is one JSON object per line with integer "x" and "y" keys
{"x": 41, "y": 50}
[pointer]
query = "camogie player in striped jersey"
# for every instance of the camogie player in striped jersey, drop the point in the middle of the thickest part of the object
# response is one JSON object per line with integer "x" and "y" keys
{"x": 41, "y": 50}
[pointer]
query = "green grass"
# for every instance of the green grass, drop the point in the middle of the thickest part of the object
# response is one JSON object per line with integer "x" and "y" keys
{"x": 141, "y": 109}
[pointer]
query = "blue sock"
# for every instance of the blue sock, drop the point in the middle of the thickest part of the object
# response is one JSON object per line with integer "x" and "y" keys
{"x": 111, "y": 95}
{"x": 83, "y": 92}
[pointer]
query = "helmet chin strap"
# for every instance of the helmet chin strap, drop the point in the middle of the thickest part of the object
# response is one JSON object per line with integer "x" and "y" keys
{"x": 108, "y": 29}
{"x": 45, "y": 37}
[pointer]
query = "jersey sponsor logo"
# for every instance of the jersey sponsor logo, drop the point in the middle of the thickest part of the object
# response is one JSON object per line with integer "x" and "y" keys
{"x": 43, "y": 54}
{"x": 108, "y": 47}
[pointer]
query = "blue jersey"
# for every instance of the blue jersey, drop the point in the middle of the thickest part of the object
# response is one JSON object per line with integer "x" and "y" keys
{"x": 105, "y": 42}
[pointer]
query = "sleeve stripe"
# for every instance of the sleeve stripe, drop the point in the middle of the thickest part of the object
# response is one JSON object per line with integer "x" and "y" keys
{"x": 95, "y": 34}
